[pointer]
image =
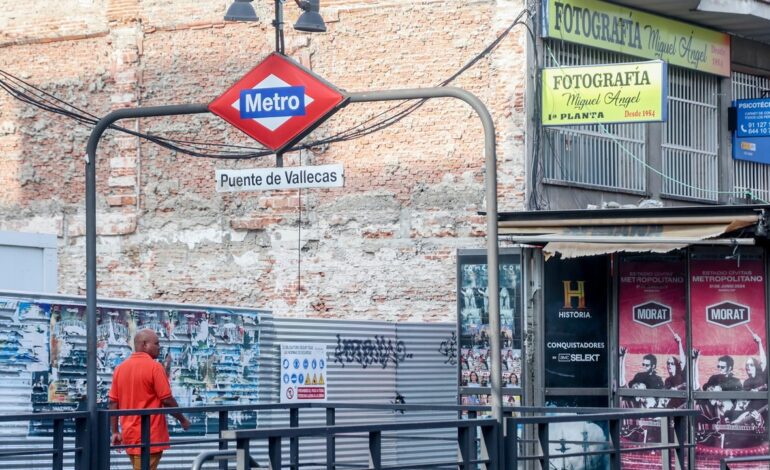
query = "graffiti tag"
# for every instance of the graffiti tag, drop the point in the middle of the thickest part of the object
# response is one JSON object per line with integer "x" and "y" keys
{"x": 448, "y": 348}
{"x": 370, "y": 351}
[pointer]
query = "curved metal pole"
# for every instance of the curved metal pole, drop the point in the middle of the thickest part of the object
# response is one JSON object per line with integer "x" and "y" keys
{"x": 93, "y": 142}
{"x": 490, "y": 167}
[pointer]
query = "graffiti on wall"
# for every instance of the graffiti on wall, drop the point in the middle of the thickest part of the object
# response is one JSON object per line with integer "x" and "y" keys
{"x": 448, "y": 349}
{"x": 366, "y": 352}
{"x": 214, "y": 355}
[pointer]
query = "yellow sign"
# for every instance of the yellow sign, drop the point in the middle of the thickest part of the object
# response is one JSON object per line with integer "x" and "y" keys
{"x": 636, "y": 33}
{"x": 633, "y": 92}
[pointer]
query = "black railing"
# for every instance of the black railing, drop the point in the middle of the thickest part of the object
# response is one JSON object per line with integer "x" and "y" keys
{"x": 58, "y": 449}
{"x": 539, "y": 449}
{"x": 472, "y": 435}
{"x": 726, "y": 462}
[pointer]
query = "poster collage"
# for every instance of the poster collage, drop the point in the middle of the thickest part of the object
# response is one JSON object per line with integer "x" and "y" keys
{"x": 214, "y": 355}
{"x": 473, "y": 299}
{"x": 727, "y": 351}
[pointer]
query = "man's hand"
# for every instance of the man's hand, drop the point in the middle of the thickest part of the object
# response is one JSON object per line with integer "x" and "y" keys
{"x": 677, "y": 338}
{"x": 184, "y": 422}
{"x": 116, "y": 439}
{"x": 757, "y": 339}
{"x": 622, "y": 351}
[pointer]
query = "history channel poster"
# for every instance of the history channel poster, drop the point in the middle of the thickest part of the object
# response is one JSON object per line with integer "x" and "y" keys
{"x": 576, "y": 322}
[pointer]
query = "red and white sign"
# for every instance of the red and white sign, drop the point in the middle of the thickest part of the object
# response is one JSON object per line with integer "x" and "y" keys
{"x": 278, "y": 102}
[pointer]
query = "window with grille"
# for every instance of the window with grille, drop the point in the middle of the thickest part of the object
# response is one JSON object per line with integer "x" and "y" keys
{"x": 752, "y": 180}
{"x": 603, "y": 156}
{"x": 613, "y": 157}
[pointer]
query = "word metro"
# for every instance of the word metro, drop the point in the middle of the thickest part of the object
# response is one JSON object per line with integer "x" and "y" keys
{"x": 272, "y": 102}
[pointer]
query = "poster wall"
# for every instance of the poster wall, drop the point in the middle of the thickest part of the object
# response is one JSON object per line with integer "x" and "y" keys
{"x": 215, "y": 355}
{"x": 303, "y": 373}
{"x": 473, "y": 319}
{"x": 576, "y": 322}
{"x": 729, "y": 355}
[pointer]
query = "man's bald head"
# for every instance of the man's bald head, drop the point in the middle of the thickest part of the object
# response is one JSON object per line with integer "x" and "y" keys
{"x": 147, "y": 341}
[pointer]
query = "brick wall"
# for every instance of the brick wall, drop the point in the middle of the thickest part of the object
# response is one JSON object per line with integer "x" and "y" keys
{"x": 383, "y": 247}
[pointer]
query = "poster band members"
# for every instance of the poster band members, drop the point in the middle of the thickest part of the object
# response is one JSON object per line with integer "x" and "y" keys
{"x": 756, "y": 368}
{"x": 730, "y": 424}
{"x": 647, "y": 376}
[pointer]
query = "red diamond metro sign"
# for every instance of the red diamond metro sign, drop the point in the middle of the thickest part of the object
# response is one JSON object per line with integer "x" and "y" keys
{"x": 278, "y": 103}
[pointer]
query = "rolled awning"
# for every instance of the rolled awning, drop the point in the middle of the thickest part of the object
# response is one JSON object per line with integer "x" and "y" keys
{"x": 660, "y": 230}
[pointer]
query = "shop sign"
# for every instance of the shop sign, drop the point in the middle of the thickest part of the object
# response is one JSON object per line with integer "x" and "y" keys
{"x": 611, "y": 93}
{"x": 267, "y": 179}
{"x": 751, "y": 138}
{"x": 728, "y": 314}
{"x": 628, "y": 31}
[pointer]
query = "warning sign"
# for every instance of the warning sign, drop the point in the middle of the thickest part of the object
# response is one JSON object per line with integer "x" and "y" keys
{"x": 303, "y": 372}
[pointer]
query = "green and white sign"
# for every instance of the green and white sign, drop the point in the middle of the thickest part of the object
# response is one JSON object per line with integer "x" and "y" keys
{"x": 621, "y": 29}
{"x": 617, "y": 93}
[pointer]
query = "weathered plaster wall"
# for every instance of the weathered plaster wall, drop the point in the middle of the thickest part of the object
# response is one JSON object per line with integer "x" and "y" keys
{"x": 383, "y": 247}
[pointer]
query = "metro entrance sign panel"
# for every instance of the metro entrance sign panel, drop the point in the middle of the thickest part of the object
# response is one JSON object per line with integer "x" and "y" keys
{"x": 278, "y": 102}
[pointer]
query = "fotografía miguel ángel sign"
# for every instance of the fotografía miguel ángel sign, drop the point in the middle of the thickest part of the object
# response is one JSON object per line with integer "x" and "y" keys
{"x": 632, "y": 92}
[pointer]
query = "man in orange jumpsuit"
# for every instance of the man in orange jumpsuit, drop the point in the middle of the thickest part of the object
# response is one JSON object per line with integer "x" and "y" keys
{"x": 142, "y": 382}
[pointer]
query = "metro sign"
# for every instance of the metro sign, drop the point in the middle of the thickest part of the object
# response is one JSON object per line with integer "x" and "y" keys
{"x": 278, "y": 103}
{"x": 652, "y": 314}
{"x": 728, "y": 314}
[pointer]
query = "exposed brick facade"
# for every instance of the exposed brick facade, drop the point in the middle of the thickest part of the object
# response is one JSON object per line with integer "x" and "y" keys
{"x": 383, "y": 247}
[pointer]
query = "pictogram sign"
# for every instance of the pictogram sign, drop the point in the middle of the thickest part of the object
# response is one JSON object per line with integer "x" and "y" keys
{"x": 278, "y": 102}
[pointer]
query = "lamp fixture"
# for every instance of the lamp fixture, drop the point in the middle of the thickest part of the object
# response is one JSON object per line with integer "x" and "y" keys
{"x": 241, "y": 10}
{"x": 310, "y": 21}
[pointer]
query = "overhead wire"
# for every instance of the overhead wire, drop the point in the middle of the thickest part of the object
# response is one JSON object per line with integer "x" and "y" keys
{"x": 32, "y": 95}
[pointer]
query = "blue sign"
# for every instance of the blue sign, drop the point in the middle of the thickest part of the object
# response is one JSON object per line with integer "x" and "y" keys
{"x": 293, "y": 378}
{"x": 304, "y": 364}
{"x": 301, "y": 379}
{"x": 296, "y": 363}
{"x": 322, "y": 363}
{"x": 285, "y": 378}
{"x": 753, "y": 118}
{"x": 315, "y": 364}
{"x": 285, "y": 363}
{"x": 256, "y": 103}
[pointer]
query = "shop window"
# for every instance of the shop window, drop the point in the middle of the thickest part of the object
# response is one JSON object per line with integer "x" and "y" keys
{"x": 751, "y": 179}
{"x": 602, "y": 156}
{"x": 690, "y": 137}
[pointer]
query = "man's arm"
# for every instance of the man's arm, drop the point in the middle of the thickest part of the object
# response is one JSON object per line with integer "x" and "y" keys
{"x": 116, "y": 438}
{"x": 170, "y": 402}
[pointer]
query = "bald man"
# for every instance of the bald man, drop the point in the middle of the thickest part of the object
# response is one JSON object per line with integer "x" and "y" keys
{"x": 142, "y": 382}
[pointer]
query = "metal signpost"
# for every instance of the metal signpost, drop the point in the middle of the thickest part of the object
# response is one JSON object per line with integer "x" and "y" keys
{"x": 278, "y": 104}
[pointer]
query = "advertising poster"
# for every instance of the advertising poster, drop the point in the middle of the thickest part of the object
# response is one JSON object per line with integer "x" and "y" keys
{"x": 303, "y": 373}
{"x": 576, "y": 322}
{"x": 729, "y": 343}
{"x": 214, "y": 356}
{"x": 473, "y": 309}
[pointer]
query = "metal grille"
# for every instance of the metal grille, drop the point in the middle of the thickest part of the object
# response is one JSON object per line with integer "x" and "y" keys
{"x": 607, "y": 156}
{"x": 751, "y": 179}
{"x": 690, "y": 136}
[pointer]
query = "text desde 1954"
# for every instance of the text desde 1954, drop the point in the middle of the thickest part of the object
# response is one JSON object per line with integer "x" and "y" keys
{"x": 266, "y": 179}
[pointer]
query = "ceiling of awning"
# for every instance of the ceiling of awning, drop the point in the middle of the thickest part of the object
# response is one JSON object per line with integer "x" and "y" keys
{"x": 591, "y": 232}
{"x": 746, "y": 18}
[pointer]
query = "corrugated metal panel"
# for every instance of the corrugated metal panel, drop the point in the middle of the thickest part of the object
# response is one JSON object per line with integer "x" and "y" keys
{"x": 367, "y": 363}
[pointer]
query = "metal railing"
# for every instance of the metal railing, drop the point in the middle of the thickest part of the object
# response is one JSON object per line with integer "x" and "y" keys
{"x": 58, "y": 448}
{"x": 724, "y": 464}
{"x": 539, "y": 449}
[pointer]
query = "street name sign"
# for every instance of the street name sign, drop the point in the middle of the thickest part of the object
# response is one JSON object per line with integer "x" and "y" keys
{"x": 278, "y": 102}
{"x": 266, "y": 179}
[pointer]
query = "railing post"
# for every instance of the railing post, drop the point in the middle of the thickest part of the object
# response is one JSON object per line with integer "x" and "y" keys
{"x": 273, "y": 453}
{"x": 294, "y": 441}
{"x": 490, "y": 445}
{"x": 80, "y": 440}
{"x": 465, "y": 446}
{"x": 331, "y": 444}
{"x": 146, "y": 442}
{"x": 375, "y": 450}
{"x": 242, "y": 457}
{"x": 103, "y": 441}
{"x": 545, "y": 448}
{"x": 510, "y": 451}
{"x": 615, "y": 440}
{"x": 665, "y": 454}
{"x": 58, "y": 444}
{"x": 680, "y": 431}
{"x": 223, "y": 426}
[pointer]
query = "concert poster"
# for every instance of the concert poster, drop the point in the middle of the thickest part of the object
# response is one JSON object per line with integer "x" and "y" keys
{"x": 729, "y": 353}
{"x": 576, "y": 322}
{"x": 473, "y": 318}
